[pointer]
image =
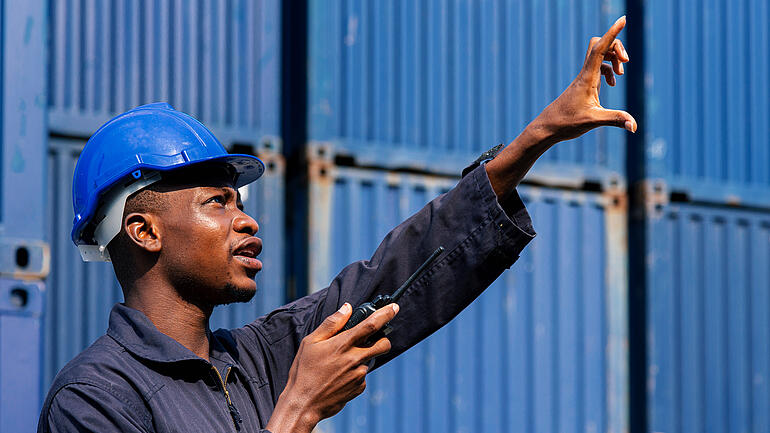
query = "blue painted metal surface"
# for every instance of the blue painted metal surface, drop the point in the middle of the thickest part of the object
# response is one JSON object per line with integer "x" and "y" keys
{"x": 80, "y": 295}
{"x": 431, "y": 84}
{"x": 217, "y": 60}
{"x": 708, "y": 307}
{"x": 23, "y": 128}
{"x": 21, "y": 309}
{"x": 706, "y": 117}
{"x": 23, "y": 254}
{"x": 542, "y": 350}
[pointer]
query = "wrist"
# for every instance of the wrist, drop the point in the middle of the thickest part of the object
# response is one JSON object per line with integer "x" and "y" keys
{"x": 291, "y": 415}
{"x": 540, "y": 134}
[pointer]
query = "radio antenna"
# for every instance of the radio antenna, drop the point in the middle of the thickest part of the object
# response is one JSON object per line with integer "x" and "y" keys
{"x": 397, "y": 294}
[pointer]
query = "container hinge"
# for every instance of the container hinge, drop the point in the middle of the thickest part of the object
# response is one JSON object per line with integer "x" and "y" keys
{"x": 650, "y": 197}
{"x": 616, "y": 199}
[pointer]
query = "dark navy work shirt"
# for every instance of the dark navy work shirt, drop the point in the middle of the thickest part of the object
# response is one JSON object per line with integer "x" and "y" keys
{"x": 137, "y": 379}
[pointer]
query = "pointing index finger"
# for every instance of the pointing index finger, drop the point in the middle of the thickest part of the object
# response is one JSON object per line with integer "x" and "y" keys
{"x": 603, "y": 45}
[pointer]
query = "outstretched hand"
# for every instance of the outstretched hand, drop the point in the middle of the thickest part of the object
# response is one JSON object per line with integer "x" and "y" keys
{"x": 578, "y": 110}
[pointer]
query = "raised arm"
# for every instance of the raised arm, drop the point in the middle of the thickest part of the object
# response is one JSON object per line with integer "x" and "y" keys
{"x": 576, "y": 111}
{"x": 481, "y": 237}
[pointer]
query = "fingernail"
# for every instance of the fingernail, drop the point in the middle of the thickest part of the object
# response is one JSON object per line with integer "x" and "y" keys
{"x": 345, "y": 308}
{"x": 395, "y": 308}
{"x": 629, "y": 126}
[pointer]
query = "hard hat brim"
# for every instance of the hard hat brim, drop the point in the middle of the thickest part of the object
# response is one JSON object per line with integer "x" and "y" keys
{"x": 248, "y": 167}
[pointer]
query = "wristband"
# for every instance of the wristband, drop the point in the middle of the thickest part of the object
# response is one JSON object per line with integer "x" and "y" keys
{"x": 484, "y": 157}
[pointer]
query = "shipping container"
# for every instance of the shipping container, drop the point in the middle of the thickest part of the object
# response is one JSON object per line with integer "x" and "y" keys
{"x": 80, "y": 295}
{"x": 707, "y": 99}
{"x": 217, "y": 60}
{"x": 21, "y": 312}
{"x": 24, "y": 256}
{"x": 23, "y": 117}
{"x": 542, "y": 350}
{"x": 429, "y": 85}
{"x": 708, "y": 319}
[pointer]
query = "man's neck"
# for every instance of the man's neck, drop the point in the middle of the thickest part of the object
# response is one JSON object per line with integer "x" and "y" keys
{"x": 186, "y": 323}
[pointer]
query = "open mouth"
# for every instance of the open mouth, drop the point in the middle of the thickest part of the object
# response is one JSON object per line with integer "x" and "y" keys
{"x": 247, "y": 253}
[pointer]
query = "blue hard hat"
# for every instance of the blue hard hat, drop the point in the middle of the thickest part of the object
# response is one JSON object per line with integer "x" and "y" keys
{"x": 151, "y": 138}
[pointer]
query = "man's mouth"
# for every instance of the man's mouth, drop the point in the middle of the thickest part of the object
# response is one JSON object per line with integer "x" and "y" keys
{"x": 247, "y": 251}
{"x": 251, "y": 263}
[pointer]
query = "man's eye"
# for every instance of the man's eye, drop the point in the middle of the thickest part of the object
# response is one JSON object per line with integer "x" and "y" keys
{"x": 217, "y": 199}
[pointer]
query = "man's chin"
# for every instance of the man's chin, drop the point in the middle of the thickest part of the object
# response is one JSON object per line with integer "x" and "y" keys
{"x": 233, "y": 294}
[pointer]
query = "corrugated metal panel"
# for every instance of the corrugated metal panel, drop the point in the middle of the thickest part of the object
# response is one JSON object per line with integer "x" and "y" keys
{"x": 706, "y": 117}
{"x": 23, "y": 254}
{"x": 81, "y": 294}
{"x": 708, "y": 307}
{"x": 217, "y": 60}
{"x": 432, "y": 84}
{"x": 22, "y": 132}
{"x": 543, "y": 350}
{"x": 21, "y": 311}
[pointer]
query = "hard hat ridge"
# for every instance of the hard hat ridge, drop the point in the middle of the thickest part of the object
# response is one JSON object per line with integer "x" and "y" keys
{"x": 130, "y": 152}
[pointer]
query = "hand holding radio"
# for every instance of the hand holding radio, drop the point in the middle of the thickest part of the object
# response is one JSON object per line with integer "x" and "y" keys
{"x": 329, "y": 370}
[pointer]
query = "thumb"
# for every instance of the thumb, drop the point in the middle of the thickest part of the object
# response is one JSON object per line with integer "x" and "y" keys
{"x": 332, "y": 324}
{"x": 618, "y": 118}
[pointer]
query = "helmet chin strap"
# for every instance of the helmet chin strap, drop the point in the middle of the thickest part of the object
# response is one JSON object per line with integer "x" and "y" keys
{"x": 112, "y": 212}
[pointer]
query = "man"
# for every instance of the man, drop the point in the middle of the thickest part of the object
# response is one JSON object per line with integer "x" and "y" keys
{"x": 156, "y": 194}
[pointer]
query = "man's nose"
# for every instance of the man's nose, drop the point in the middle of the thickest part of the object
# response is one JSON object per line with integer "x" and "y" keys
{"x": 245, "y": 224}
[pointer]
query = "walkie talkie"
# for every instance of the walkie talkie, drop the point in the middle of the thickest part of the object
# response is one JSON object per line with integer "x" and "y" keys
{"x": 366, "y": 309}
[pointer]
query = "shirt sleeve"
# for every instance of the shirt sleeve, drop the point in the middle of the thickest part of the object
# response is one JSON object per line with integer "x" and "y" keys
{"x": 92, "y": 408}
{"x": 482, "y": 239}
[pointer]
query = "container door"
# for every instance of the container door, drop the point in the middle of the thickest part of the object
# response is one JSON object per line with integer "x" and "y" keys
{"x": 24, "y": 257}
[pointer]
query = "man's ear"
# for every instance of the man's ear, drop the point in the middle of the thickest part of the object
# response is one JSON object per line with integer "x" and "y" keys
{"x": 143, "y": 230}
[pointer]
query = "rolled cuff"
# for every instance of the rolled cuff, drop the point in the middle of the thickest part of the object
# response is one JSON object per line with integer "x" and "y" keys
{"x": 512, "y": 220}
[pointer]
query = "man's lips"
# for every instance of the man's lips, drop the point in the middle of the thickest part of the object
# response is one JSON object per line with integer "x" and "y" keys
{"x": 247, "y": 251}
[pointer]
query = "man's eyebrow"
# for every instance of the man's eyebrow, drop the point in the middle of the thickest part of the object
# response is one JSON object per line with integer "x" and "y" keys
{"x": 231, "y": 191}
{"x": 227, "y": 190}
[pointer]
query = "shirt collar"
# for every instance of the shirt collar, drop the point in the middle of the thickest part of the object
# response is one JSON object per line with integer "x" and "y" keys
{"x": 138, "y": 335}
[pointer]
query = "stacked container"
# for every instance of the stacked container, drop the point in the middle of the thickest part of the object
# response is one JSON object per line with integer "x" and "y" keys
{"x": 430, "y": 85}
{"x": 24, "y": 256}
{"x": 706, "y": 202}
{"x": 401, "y": 97}
{"x": 216, "y": 60}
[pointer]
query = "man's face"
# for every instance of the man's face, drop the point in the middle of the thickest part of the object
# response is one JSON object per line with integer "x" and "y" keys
{"x": 208, "y": 243}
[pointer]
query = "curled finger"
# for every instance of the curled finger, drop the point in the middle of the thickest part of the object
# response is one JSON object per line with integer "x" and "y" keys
{"x": 609, "y": 76}
{"x": 620, "y": 50}
{"x": 360, "y": 333}
{"x": 616, "y": 58}
{"x": 617, "y": 65}
{"x": 360, "y": 387}
{"x": 380, "y": 347}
